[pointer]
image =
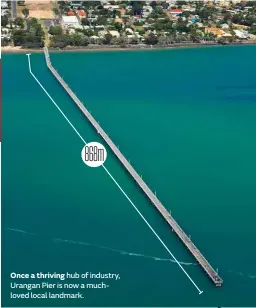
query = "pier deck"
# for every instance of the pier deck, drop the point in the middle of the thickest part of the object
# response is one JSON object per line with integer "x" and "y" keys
{"x": 213, "y": 275}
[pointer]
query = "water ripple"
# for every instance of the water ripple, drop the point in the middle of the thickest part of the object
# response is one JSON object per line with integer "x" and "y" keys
{"x": 122, "y": 252}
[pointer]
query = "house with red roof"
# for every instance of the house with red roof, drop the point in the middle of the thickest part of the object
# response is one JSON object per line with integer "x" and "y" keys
{"x": 71, "y": 13}
{"x": 81, "y": 13}
{"x": 176, "y": 12}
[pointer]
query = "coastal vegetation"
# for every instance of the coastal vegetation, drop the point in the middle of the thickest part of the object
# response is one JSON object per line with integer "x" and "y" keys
{"x": 32, "y": 37}
{"x": 126, "y": 23}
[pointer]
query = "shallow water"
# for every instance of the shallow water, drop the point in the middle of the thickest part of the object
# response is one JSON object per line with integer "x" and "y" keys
{"x": 186, "y": 120}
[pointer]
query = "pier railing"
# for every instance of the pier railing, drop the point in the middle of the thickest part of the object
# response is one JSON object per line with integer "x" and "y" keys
{"x": 213, "y": 275}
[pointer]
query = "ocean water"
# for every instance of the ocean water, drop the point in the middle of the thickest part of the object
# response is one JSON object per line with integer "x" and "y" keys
{"x": 186, "y": 120}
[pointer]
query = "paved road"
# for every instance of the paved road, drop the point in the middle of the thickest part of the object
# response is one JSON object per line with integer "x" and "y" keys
{"x": 49, "y": 22}
{"x": 14, "y": 9}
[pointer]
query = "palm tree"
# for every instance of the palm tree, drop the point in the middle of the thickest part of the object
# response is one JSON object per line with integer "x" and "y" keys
{"x": 195, "y": 36}
{"x": 162, "y": 40}
{"x": 165, "y": 40}
{"x": 25, "y": 12}
{"x": 114, "y": 41}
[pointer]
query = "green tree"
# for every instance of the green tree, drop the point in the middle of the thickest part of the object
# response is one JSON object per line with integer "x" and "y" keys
{"x": 32, "y": 21}
{"x": 107, "y": 39}
{"x": 182, "y": 3}
{"x": 185, "y": 14}
{"x": 165, "y": 5}
{"x": 55, "y": 30}
{"x": 85, "y": 22}
{"x": 136, "y": 7}
{"x": 103, "y": 12}
{"x": 18, "y": 37}
{"x": 159, "y": 10}
{"x": 88, "y": 32}
{"x": 122, "y": 41}
{"x": 227, "y": 16}
{"x": 61, "y": 3}
{"x": 118, "y": 26}
{"x": 163, "y": 40}
{"x": 253, "y": 30}
{"x": 222, "y": 40}
{"x": 250, "y": 20}
{"x": 151, "y": 39}
{"x": 55, "y": 11}
{"x": 60, "y": 41}
{"x": 4, "y": 21}
{"x": 237, "y": 18}
{"x": 33, "y": 41}
{"x": 5, "y": 41}
{"x": 206, "y": 12}
{"x": 101, "y": 20}
{"x": 134, "y": 40}
{"x": 195, "y": 36}
{"x": 19, "y": 22}
{"x": 153, "y": 4}
{"x": 141, "y": 31}
{"x": 181, "y": 26}
{"x": 25, "y": 12}
{"x": 35, "y": 29}
{"x": 77, "y": 39}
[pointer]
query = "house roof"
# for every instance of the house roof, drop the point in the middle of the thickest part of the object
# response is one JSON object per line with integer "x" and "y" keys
{"x": 122, "y": 11}
{"x": 216, "y": 31}
{"x": 227, "y": 34}
{"x": 114, "y": 33}
{"x": 119, "y": 20}
{"x": 70, "y": 19}
{"x": 81, "y": 13}
{"x": 211, "y": 29}
{"x": 240, "y": 26}
{"x": 177, "y": 11}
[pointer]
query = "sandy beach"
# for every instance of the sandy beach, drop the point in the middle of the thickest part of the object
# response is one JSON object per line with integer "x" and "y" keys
{"x": 99, "y": 48}
{"x": 17, "y": 49}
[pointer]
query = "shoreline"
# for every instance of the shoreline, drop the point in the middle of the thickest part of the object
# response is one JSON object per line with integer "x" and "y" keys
{"x": 11, "y": 49}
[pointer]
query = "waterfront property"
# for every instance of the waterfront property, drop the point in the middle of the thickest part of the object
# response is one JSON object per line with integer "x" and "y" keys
{"x": 69, "y": 21}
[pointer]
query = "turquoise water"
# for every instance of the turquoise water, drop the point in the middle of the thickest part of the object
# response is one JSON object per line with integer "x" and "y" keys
{"x": 186, "y": 120}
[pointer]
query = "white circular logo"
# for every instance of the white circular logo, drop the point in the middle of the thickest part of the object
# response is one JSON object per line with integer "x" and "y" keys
{"x": 94, "y": 154}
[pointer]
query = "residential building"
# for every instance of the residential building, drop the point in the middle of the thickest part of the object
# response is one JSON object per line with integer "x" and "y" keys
{"x": 70, "y": 21}
{"x": 122, "y": 11}
{"x": 224, "y": 26}
{"x": 71, "y": 13}
{"x": 114, "y": 33}
{"x": 215, "y": 31}
{"x": 4, "y": 5}
{"x": 239, "y": 26}
{"x": 4, "y": 12}
{"x": 81, "y": 13}
{"x": 241, "y": 34}
{"x": 176, "y": 12}
{"x": 76, "y": 3}
{"x": 118, "y": 20}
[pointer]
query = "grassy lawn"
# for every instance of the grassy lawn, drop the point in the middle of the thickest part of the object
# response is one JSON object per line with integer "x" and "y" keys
{"x": 37, "y": 9}
{"x": 19, "y": 10}
{"x": 46, "y": 39}
{"x": 138, "y": 28}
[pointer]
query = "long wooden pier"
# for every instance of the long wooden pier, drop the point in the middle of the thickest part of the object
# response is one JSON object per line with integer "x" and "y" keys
{"x": 213, "y": 275}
